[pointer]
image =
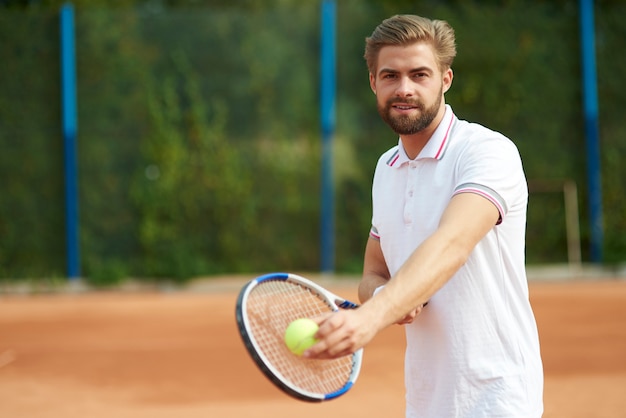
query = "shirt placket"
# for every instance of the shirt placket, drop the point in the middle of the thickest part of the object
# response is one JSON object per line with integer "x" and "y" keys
{"x": 410, "y": 193}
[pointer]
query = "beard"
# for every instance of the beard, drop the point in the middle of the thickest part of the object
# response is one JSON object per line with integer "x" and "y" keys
{"x": 406, "y": 124}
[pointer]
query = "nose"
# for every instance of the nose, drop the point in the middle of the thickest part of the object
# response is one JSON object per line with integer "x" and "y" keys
{"x": 405, "y": 87}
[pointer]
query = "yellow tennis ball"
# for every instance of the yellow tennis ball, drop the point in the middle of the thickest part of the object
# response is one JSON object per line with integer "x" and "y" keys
{"x": 299, "y": 335}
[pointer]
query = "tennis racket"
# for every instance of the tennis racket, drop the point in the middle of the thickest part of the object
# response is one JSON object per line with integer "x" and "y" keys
{"x": 265, "y": 307}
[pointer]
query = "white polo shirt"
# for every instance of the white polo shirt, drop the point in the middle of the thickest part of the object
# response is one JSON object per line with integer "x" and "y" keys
{"x": 474, "y": 350}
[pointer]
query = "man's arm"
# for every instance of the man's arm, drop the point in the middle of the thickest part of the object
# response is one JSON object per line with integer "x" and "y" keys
{"x": 375, "y": 271}
{"x": 376, "y": 274}
{"x": 466, "y": 220}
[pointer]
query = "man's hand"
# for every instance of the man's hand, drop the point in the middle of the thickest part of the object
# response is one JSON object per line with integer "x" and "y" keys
{"x": 410, "y": 317}
{"x": 342, "y": 333}
{"x": 345, "y": 332}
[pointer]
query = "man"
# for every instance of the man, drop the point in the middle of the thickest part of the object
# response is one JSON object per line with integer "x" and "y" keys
{"x": 445, "y": 255}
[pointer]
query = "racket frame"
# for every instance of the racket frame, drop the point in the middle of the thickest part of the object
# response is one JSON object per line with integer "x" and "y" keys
{"x": 335, "y": 303}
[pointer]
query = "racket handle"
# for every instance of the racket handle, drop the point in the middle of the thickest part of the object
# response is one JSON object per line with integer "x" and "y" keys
{"x": 346, "y": 304}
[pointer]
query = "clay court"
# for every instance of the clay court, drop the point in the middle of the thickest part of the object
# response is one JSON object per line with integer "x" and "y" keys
{"x": 178, "y": 354}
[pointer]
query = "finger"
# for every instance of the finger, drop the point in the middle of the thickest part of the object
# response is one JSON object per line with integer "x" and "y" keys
{"x": 320, "y": 319}
{"x": 328, "y": 323}
{"x": 410, "y": 317}
{"x": 333, "y": 338}
{"x": 324, "y": 350}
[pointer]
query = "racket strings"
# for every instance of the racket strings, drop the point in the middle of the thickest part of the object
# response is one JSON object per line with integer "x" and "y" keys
{"x": 271, "y": 307}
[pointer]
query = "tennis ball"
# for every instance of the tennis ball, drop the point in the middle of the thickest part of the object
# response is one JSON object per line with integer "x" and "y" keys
{"x": 299, "y": 335}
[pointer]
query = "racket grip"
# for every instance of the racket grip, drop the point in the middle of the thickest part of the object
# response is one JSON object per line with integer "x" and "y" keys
{"x": 346, "y": 304}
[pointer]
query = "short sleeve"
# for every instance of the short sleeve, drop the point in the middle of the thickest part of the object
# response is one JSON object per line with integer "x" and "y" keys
{"x": 491, "y": 167}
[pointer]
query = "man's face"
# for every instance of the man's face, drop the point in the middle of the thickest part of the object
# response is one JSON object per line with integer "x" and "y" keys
{"x": 409, "y": 87}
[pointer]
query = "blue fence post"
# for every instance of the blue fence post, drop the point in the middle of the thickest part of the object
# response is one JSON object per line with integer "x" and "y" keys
{"x": 70, "y": 128}
{"x": 590, "y": 99}
{"x": 327, "y": 116}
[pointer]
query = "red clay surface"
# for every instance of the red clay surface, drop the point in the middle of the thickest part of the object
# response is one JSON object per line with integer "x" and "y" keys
{"x": 178, "y": 354}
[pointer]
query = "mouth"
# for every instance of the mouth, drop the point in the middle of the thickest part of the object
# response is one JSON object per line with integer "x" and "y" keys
{"x": 403, "y": 106}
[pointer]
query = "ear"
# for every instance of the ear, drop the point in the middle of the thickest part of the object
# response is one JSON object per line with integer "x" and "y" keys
{"x": 448, "y": 75}
{"x": 373, "y": 82}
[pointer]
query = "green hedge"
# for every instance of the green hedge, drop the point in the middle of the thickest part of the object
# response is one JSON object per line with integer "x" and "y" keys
{"x": 199, "y": 144}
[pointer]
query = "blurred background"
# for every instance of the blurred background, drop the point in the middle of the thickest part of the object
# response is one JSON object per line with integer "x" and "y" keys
{"x": 199, "y": 146}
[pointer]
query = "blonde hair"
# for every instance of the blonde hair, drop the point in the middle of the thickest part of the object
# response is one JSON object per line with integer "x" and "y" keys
{"x": 402, "y": 30}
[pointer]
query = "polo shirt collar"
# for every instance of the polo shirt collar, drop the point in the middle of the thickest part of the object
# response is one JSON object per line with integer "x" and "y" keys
{"x": 435, "y": 147}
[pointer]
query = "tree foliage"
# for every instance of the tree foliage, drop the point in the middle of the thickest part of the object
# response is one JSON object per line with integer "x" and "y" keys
{"x": 199, "y": 140}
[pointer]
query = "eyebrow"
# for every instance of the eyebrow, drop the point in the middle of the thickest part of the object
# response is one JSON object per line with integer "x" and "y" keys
{"x": 412, "y": 71}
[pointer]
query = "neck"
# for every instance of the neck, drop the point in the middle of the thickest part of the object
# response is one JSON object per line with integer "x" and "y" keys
{"x": 414, "y": 143}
